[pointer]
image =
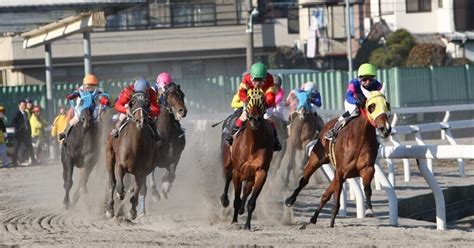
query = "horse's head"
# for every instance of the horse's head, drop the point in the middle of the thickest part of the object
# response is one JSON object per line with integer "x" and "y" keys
{"x": 173, "y": 101}
{"x": 255, "y": 107}
{"x": 304, "y": 104}
{"x": 378, "y": 110}
{"x": 139, "y": 106}
{"x": 86, "y": 108}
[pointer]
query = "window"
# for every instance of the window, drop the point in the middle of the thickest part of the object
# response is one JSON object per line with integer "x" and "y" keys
{"x": 440, "y": 4}
{"x": 189, "y": 15}
{"x": 193, "y": 69}
{"x": 413, "y": 6}
{"x": 293, "y": 21}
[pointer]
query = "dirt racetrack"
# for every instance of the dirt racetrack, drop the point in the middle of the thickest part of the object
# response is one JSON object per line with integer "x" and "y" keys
{"x": 31, "y": 214}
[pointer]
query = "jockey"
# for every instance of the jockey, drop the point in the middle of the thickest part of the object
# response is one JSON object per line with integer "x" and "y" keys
{"x": 121, "y": 106}
{"x": 163, "y": 80}
{"x": 89, "y": 84}
{"x": 279, "y": 110}
{"x": 315, "y": 97}
{"x": 257, "y": 78}
{"x": 354, "y": 96}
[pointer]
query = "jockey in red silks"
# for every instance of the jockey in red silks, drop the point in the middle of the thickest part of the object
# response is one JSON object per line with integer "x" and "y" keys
{"x": 122, "y": 105}
{"x": 257, "y": 78}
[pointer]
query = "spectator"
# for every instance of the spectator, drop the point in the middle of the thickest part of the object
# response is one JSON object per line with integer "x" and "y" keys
{"x": 37, "y": 125}
{"x": 29, "y": 107}
{"x": 3, "y": 135}
{"x": 22, "y": 134}
{"x": 59, "y": 123}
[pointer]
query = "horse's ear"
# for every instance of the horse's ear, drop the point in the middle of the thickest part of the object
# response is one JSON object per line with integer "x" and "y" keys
{"x": 382, "y": 90}
{"x": 365, "y": 92}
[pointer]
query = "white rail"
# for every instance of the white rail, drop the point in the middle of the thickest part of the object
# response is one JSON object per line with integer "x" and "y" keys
{"x": 422, "y": 153}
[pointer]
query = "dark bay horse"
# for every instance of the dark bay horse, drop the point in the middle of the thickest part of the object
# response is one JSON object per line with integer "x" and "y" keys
{"x": 171, "y": 147}
{"x": 132, "y": 152}
{"x": 352, "y": 152}
{"x": 304, "y": 127}
{"x": 80, "y": 148}
{"x": 249, "y": 158}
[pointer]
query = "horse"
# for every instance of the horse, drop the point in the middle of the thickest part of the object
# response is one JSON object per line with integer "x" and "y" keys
{"x": 172, "y": 145}
{"x": 304, "y": 127}
{"x": 80, "y": 148}
{"x": 353, "y": 152}
{"x": 132, "y": 152}
{"x": 248, "y": 159}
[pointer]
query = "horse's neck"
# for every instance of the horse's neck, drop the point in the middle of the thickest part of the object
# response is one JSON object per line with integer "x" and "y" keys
{"x": 363, "y": 126}
{"x": 166, "y": 124}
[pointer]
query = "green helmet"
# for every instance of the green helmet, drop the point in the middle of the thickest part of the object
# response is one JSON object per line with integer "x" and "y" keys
{"x": 258, "y": 70}
{"x": 366, "y": 70}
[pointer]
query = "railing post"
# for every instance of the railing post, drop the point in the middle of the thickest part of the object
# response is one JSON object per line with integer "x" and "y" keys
{"x": 449, "y": 137}
{"x": 391, "y": 195}
{"x": 445, "y": 119}
{"x": 419, "y": 141}
{"x": 406, "y": 162}
{"x": 437, "y": 193}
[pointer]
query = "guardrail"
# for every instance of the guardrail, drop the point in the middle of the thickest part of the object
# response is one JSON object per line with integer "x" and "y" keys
{"x": 422, "y": 153}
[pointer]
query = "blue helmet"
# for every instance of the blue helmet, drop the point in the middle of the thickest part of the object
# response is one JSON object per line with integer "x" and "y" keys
{"x": 141, "y": 85}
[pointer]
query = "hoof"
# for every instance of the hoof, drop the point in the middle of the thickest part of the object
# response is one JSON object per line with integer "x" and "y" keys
{"x": 66, "y": 206}
{"x": 163, "y": 195}
{"x": 247, "y": 227}
{"x": 141, "y": 214}
{"x": 313, "y": 220}
{"x": 109, "y": 214}
{"x": 132, "y": 215}
{"x": 369, "y": 213}
{"x": 241, "y": 210}
{"x": 225, "y": 201}
{"x": 289, "y": 202}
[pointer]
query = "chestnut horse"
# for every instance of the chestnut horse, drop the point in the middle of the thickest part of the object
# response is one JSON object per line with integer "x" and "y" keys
{"x": 171, "y": 147}
{"x": 352, "y": 152}
{"x": 249, "y": 158}
{"x": 304, "y": 127}
{"x": 132, "y": 152}
{"x": 80, "y": 148}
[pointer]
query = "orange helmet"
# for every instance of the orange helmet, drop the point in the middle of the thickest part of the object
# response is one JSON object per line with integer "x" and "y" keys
{"x": 36, "y": 108}
{"x": 90, "y": 79}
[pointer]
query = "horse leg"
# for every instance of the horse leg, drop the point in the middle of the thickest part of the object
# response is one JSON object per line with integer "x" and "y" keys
{"x": 315, "y": 161}
{"x": 141, "y": 199}
{"x": 367, "y": 175}
{"x": 154, "y": 192}
{"x": 82, "y": 187}
{"x": 247, "y": 190}
{"x": 224, "y": 198}
{"x": 109, "y": 207}
{"x": 337, "y": 183}
{"x": 260, "y": 177}
{"x": 291, "y": 164}
{"x": 119, "y": 174}
{"x": 167, "y": 180}
{"x": 67, "y": 177}
{"x": 237, "y": 189}
{"x": 139, "y": 179}
{"x": 324, "y": 198}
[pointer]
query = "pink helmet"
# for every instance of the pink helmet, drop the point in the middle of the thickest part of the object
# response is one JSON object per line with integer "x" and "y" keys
{"x": 164, "y": 79}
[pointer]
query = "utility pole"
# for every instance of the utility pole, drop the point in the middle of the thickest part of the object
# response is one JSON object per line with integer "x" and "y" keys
{"x": 348, "y": 34}
{"x": 249, "y": 48}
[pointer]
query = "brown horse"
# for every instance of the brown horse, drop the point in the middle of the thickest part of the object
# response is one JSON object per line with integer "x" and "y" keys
{"x": 132, "y": 152}
{"x": 80, "y": 148}
{"x": 304, "y": 127}
{"x": 249, "y": 158}
{"x": 171, "y": 147}
{"x": 352, "y": 152}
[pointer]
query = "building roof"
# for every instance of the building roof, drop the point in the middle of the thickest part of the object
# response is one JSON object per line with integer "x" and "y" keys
{"x": 460, "y": 36}
{"x": 51, "y": 3}
{"x": 429, "y": 39}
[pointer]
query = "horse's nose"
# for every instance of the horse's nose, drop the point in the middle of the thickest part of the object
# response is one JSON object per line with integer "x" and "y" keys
{"x": 182, "y": 112}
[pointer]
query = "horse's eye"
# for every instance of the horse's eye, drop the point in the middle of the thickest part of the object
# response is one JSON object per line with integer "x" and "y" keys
{"x": 371, "y": 108}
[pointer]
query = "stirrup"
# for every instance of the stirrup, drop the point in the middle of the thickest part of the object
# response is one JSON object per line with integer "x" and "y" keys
{"x": 330, "y": 134}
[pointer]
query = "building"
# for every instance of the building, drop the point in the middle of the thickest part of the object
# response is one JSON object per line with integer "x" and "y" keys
{"x": 190, "y": 39}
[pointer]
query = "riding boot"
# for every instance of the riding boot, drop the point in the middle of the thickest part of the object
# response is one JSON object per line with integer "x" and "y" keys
{"x": 181, "y": 130}
{"x": 276, "y": 143}
{"x": 62, "y": 136}
{"x": 339, "y": 124}
{"x": 230, "y": 136}
{"x": 115, "y": 131}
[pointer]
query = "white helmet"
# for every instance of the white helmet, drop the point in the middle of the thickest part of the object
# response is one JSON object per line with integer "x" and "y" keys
{"x": 310, "y": 87}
